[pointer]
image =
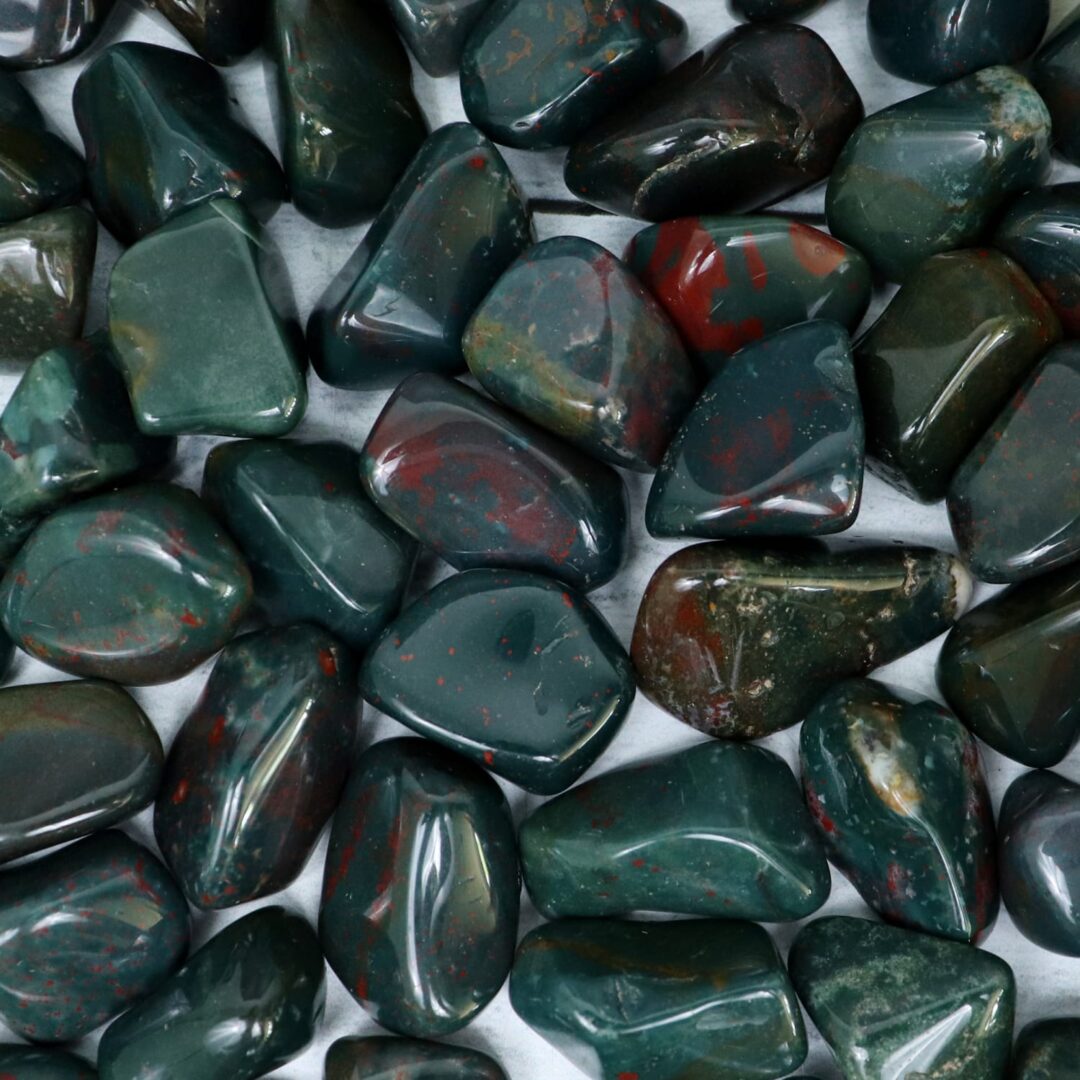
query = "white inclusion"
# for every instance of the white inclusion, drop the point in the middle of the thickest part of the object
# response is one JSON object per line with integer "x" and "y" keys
{"x": 920, "y": 1055}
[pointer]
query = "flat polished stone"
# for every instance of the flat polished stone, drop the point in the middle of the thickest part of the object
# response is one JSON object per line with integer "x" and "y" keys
{"x": 380, "y": 1057}
{"x": 30, "y": 1063}
{"x": 436, "y": 32}
{"x": 43, "y": 32}
{"x": 1056, "y": 75}
{"x": 221, "y": 31}
{"x": 1047, "y": 1050}
{"x": 774, "y": 11}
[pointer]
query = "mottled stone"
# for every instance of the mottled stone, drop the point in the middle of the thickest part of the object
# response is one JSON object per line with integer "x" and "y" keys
{"x": 436, "y": 30}
{"x": 774, "y": 11}
{"x": 19, "y": 1062}
{"x": 36, "y": 33}
{"x": 221, "y": 31}
{"x": 379, "y": 1057}
{"x": 1056, "y": 75}
{"x": 1048, "y": 1050}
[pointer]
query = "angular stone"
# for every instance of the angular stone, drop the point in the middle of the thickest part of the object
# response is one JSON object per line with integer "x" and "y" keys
{"x": 208, "y": 346}
{"x": 29, "y": 1063}
{"x": 896, "y": 787}
{"x": 379, "y": 1057}
{"x": 43, "y": 32}
{"x": 162, "y": 136}
{"x": 509, "y": 669}
{"x": 932, "y": 173}
{"x": 892, "y": 1002}
{"x": 740, "y": 641}
{"x": 539, "y": 75}
{"x": 1047, "y": 1049}
{"x": 436, "y": 33}
{"x": 139, "y": 586}
{"x": 943, "y": 359}
{"x": 757, "y": 115}
{"x": 318, "y": 548}
{"x": 454, "y": 222}
{"x": 571, "y": 339}
{"x": 773, "y": 447}
{"x": 1056, "y": 75}
{"x": 245, "y": 1003}
{"x": 421, "y": 926}
{"x": 774, "y": 11}
{"x": 484, "y": 488}
{"x": 719, "y": 829}
{"x": 662, "y": 1000}
{"x": 221, "y": 31}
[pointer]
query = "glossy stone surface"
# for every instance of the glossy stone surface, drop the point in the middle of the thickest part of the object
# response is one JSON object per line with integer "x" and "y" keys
{"x": 896, "y": 787}
{"x": 1056, "y": 75}
{"x": 773, "y": 447}
{"x": 19, "y": 1062}
{"x": 318, "y": 548}
{"x": 755, "y": 116}
{"x": 436, "y": 32}
{"x": 1008, "y": 528}
{"x": 453, "y": 223}
{"x": 139, "y": 586}
{"x": 482, "y": 487}
{"x": 571, "y": 339}
{"x": 378, "y": 1057}
{"x": 245, "y": 1003}
{"x": 1047, "y": 1050}
{"x": 774, "y": 10}
{"x": 943, "y": 359}
{"x": 719, "y": 829}
{"x": 509, "y": 669}
{"x": 258, "y": 766}
{"x": 931, "y": 173}
{"x": 541, "y": 74}
{"x": 420, "y": 898}
{"x": 728, "y": 281}
{"x": 221, "y": 31}
{"x": 162, "y": 135}
{"x": 86, "y": 932}
{"x": 349, "y": 123}
{"x": 42, "y": 32}
{"x": 231, "y": 366}
{"x": 740, "y": 641}
{"x": 93, "y": 756}
{"x": 892, "y": 1003}
{"x": 662, "y": 1000}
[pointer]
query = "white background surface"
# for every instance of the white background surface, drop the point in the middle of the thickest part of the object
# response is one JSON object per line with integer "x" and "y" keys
{"x": 1048, "y": 984}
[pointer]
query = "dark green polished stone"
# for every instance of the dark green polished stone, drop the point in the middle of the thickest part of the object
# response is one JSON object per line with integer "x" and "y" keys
{"x": 896, "y": 787}
{"x": 943, "y": 359}
{"x": 484, "y": 488}
{"x": 719, "y": 829}
{"x": 773, "y": 447}
{"x": 85, "y": 933}
{"x": 208, "y": 346}
{"x": 162, "y": 135}
{"x": 894, "y": 1003}
{"x": 36, "y": 33}
{"x": 538, "y": 73}
{"x": 571, "y": 339}
{"x": 257, "y": 768}
{"x": 739, "y": 641}
{"x": 757, "y": 115}
{"x": 436, "y": 32}
{"x": 1014, "y": 504}
{"x": 420, "y": 898}
{"x": 245, "y": 1003}
{"x": 931, "y": 173}
{"x": 379, "y": 1057}
{"x": 660, "y": 1000}
{"x": 348, "y": 121}
{"x": 220, "y": 31}
{"x": 774, "y": 10}
{"x": 30, "y": 1063}
{"x": 139, "y": 585}
{"x": 1056, "y": 75}
{"x": 454, "y": 222}
{"x": 508, "y": 668}
{"x": 1048, "y": 1050}
{"x": 318, "y": 548}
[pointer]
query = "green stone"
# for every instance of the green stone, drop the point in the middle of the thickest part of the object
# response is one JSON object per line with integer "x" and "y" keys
{"x": 943, "y": 359}
{"x": 208, "y": 346}
{"x": 29, "y": 1063}
{"x": 660, "y": 1000}
{"x": 894, "y": 1003}
{"x": 221, "y": 31}
{"x": 436, "y": 33}
{"x": 43, "y": 32}
{"x": 1055, "y": 72}
{"x": 379, "y": 1057}
{"x": 1048, "y": 1050}
{"x": 719, "y": 830}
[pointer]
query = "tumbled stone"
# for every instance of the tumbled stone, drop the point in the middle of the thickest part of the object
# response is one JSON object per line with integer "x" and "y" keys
{"x": 221, "y": 31}
{"x": 1047, "y": 1049}
{"x": 1056, "y": 75}
{"x": 509, "y": 669}
{"x": 662, "y": 1000}
{"x": 774, "y": 10}
{"x": 29, "y": 1063}
{"x": 484, "y": 488}
{"x": 571, "y": 339}
{"x": 436, "y": 33}
{"x": 379, "y": 1057}
{"x": 453, "y": 223}
{"x": 42, "y": 32}
{"x": 740, "y": 641}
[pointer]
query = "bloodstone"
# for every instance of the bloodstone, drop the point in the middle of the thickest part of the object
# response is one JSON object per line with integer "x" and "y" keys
{"x": 436, "y": 33}
{"x": 1047, "y": 1050}
{"x": 378, "y": 1057}
{"x": 1056, "y": 75}
{"x": 774, "y": 11}
{"x": 28, "y": 1063}
{"x": 42, "y": 32}
{"x": 220, "y": 31}
{"x": 508, "y": 668}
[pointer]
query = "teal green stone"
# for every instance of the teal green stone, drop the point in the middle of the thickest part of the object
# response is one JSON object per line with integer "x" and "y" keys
{"x": 379, "y": 1057}
{"x": 208, "y": 346}
{"x": 942, "y": 361}
{"x": 660, "y": 1000}
{"x": 420, "y": 897}
{"x": 894, "y": 1003}
{"x": 571, "y": 339}
{"x": 1056, "y": 75}
{"x": 85, "y": 933}
{"x": 1048, "y": 1050}
{"x": 139, "y": 586}
{"x": 717, "y": 830}
{"x": 162, "y": 136}
{"x": 510, "y": 669}
{"x": 38, "y": 33}
{"x": 932, "y": 173}
{"x": 318, "y": 548}
{"x": 29, "y": 1063}
{"x": 773, "y": 447}
{"x": 245, "y": 1003}
{"x": 896, "y": 787}
{"x": 451, "y": 226}
{"x": 436, "y": 33}
{"x": 221, "y": 31}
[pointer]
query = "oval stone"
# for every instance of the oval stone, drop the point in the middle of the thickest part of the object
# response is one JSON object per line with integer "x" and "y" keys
{"x": 378, "y": 1057}
{"x": 46, "y": 32}
{"x": 29, "y": 1063}
{"x": 1056, "y": 75}
{"x": 1047, "y": 1049}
